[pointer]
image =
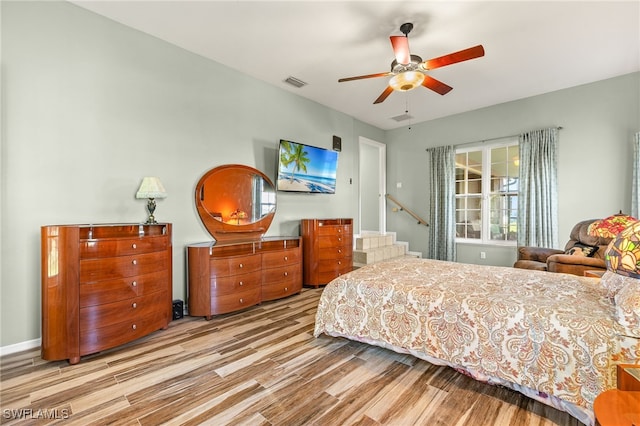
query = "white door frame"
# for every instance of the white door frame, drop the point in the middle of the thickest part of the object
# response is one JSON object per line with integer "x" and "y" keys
{"x": 382, "y": 183}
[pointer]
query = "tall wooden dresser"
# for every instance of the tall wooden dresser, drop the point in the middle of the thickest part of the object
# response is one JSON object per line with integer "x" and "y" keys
{"x": 328, "y": 249}
{"x": 103, "y": 286}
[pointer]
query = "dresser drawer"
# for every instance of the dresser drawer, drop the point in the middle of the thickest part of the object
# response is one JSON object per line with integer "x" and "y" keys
{"x": 236, "y": 265}
{"x": 337, "y": 252}
{"x": 329, "y": 241}
{"x": 337, "y": 266}
{"x": 101, "y": 292}
{"x": 92, "y": 317}
{"x": 281, "y": 257}
{"x": 334, "y": 230}
{"x": 129, "y": 329}
{"x": 283, "y": 273}
{"x": 235, "y": 283}
{"x": 90, "y": 249}
{"x": 234, "y": 302}
{"x": 121, "y": 267}
{"x": 282, "y": 286}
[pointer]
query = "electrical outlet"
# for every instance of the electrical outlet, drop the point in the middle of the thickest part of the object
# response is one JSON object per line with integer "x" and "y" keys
{"x": 483, "y": 255}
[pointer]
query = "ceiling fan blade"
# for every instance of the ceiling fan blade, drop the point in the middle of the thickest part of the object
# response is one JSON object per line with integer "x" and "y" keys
{"x": 360, "y": 77}
{"x": 452, "y": 58}
{"x": 436, "y": 85}
{"x": 384, "y": 95}
{"x": 400, "y": 46}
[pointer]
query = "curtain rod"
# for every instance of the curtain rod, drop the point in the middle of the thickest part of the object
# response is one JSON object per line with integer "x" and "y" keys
{"x": 493, "y": 139}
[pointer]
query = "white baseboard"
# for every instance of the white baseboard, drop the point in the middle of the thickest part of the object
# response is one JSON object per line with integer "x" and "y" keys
{"x": 19, "y": 347}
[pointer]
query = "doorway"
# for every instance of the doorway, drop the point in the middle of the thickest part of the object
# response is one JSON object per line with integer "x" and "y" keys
{"x": 373, "y": 188}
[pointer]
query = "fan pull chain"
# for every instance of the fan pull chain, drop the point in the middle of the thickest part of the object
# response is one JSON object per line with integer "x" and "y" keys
{"x": 406, "y": 108}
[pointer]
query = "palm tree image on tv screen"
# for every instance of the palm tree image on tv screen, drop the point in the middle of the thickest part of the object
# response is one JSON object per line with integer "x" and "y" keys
{"x": 305, "y": 168}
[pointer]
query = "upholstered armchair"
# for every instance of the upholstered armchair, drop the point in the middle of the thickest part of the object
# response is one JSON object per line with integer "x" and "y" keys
{"x": 583, "y": 252}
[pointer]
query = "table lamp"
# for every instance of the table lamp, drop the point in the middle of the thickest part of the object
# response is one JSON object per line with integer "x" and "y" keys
{"x": 151, "y": 188}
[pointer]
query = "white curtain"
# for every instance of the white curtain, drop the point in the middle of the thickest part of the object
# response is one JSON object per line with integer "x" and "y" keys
{"x": 635, "y": 183}
{"x": 538, "y": 194}
{"x": 442, "y": 211}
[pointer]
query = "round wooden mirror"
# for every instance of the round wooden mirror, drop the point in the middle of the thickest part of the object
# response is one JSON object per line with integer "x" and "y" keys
{"x": 235, "y": 203}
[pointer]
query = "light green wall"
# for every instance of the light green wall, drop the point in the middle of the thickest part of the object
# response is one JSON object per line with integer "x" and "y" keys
{"x": 594, "y": 158}
{"x": 89, "y": 107}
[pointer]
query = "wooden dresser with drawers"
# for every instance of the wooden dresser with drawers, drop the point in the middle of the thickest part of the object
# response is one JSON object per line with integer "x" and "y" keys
{"x": 328, "y": 249}
{"x": 228, "y": 277}
{"x": 103, "y": 286}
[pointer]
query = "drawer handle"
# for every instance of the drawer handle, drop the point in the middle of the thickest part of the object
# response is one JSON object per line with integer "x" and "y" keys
{"x": 134, "y": 246}
{"x": 339, "y": 231}
{"x": 286, "y": 274}
{"x": 241, "y": 300}
{"x": 133, "y": 326}
{"x": 241, "y": 283}
{"x": 286, "y": 258}
{"x": 286, "y": 289}
{"x": 339, "y": 262}
{"x": 135, "y": 262}
{"x": 339, "y": 250}
{"x": 241, "y": 265}
{"x": 134, "y": 305}
{"x": 339, "y": 238}
{"x": 135, "y": 284}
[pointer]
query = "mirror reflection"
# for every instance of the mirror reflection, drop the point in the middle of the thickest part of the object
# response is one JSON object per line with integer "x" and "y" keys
{"x": 237, "y": 196}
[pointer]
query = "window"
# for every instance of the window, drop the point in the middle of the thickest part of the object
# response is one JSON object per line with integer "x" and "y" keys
{"x": 487, "y": 193}
{"x": 264, "y": 197}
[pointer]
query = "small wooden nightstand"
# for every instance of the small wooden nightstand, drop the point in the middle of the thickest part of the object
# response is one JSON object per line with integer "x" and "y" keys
{"x": 593, "y": 273}
{"x": 620, "y": 406}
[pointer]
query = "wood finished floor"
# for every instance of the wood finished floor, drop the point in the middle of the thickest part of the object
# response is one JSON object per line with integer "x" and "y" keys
{"x": 261, "y": 366}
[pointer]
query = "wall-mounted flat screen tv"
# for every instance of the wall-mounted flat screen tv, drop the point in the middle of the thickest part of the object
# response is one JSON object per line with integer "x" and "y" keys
{"x": 305, "y": 168}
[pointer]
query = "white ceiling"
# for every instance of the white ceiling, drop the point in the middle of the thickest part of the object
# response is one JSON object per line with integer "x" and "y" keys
{"x": 532, "y": 47}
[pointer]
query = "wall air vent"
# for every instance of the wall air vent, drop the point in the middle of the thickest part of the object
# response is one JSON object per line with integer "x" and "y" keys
{"x": 402, "y": 117}
{"x": 295, "y": 82}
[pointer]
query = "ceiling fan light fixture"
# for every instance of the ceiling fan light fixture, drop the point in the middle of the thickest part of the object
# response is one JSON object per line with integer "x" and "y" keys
{"x": 407, "y": 80}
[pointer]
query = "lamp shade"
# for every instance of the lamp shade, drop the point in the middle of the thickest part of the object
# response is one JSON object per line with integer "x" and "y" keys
{"x": 151, "y": 187}
{"x": 611, "y": 226}
{"x": 623, "y": 253}
{"x": 406, "y": 80}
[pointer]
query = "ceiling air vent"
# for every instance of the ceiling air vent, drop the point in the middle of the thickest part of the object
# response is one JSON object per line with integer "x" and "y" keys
{"x": 295, "y": 82}
{"x": 402, "y": 117}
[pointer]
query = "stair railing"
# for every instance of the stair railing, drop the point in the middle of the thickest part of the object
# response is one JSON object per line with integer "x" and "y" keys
{"x": 409, "y": 212}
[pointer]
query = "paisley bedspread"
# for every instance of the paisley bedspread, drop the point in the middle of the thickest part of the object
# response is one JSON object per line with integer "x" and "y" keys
{"x": 551, "y": 336}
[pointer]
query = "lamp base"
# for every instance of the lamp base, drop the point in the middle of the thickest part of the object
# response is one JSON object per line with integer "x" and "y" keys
{"x": 151, "y": 207}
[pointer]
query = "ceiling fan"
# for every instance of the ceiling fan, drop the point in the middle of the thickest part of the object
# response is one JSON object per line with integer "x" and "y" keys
{"x": 410, "y": 71}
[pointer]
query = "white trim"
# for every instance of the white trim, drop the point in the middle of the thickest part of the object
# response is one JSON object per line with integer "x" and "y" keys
{"x": 19, "y": 347}
{"x": 382, "y": 184}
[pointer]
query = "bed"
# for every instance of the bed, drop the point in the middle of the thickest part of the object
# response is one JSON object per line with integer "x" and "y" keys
{"x": 552, "y": 337}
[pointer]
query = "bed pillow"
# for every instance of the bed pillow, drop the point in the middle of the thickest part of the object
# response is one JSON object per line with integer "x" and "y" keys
{"x": 627, "y": 303}
{"x": 582, "y": 250}
{"x": 613, "y": 282}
